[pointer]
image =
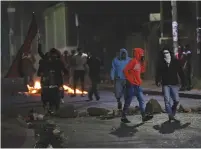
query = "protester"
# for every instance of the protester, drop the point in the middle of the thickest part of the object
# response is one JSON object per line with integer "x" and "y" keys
{"x": 80, "y": 60}
{"x": 71, "y": 66}
{"x": 179, "y": 55}
{"x": 27, "y": 68}
{"x": 187, "y": 54}
{"x": 117, "y": 75}
{"x": 42, "y": 73}
{"x": 132, "y": 73}
{"x": 50, "y": 70}
{"x": 66, "y": 60}
{"x": 94, "y": 75}
{"x": 167, "y": 73}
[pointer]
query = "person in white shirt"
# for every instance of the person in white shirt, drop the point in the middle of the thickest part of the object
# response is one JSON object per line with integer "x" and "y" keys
{"x": 80, "y": 60}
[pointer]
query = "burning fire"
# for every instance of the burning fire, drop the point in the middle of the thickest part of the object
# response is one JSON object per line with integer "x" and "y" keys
{"x": 37, "y": 87}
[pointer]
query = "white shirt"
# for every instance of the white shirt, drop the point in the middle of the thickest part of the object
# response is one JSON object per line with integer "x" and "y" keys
{"x": 80, "y": 61}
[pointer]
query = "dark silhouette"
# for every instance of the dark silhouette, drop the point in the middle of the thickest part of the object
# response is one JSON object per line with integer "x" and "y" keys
{"x": 125, "y": 130}
{"x": 170, "y": 127}
{"x": 51, "y": 71}
{"x": 94, "y": 75}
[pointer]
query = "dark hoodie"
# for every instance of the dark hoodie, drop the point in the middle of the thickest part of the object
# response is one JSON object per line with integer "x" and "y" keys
{"x": 169, "y": 75}
{"x": 94, "y": 67}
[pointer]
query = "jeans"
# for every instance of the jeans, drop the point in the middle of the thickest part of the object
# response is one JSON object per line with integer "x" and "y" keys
{"x": 133, "y": 91}
{"x": 119, "y": 88}
{"x": 170, "y": 92}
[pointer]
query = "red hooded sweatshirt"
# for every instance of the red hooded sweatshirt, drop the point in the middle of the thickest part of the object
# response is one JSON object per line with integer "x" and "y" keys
{"x": 133, "y": 69}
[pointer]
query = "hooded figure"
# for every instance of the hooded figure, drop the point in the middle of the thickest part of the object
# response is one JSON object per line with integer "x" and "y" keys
{"x": 132, "y": 73}
{"x": 133, "y": 69}
{"x": 94, "y": 65}
{"x": 167, "y": 73}
{"x": 51, "y": 70}
{"x": 187, "y": 56}
{"x": 117, "y": 74}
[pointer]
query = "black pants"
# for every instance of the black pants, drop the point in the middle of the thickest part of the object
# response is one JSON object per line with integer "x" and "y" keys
{"x": 28, "y": 80}
{"x": 51, "y": 96}
{"x": 78, "y": 75}
{"x": 187, "y": 74}
{"x": 93, "y": 89}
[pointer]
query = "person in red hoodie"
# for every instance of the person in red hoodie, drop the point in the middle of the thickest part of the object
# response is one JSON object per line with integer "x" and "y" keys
{"x": 132, "y": 72}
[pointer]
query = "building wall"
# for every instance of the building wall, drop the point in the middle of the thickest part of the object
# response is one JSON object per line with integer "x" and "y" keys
{"x": 55, "y": 26}
{"x": 134, "y": 41}
{"x": 60, "y": 27}
{"x": 19, "y": 21}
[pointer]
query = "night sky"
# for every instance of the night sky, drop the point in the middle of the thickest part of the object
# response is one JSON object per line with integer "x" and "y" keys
{"x": 108, "y": 22}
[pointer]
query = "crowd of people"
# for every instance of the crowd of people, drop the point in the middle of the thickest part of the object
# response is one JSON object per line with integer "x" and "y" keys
{"x": 126, "y": 73}
{"x": 55, "y": 69}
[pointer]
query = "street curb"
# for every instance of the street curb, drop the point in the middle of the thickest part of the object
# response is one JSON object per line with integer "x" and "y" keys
{"x": 154, "y": 92}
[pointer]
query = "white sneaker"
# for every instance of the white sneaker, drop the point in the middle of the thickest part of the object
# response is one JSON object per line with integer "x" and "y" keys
{"x": 62, "y": 101}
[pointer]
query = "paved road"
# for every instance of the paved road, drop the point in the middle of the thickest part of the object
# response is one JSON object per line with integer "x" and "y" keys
{"x": 99, "y": 133}
{"x": 92, "y": 132}
{"x": 107, "y": 100}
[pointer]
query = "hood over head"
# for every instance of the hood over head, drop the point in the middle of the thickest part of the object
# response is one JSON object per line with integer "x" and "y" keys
{"x": 138, "y": 53}
{"x": 123, "y": 51}
{"x": 166, "y": 54}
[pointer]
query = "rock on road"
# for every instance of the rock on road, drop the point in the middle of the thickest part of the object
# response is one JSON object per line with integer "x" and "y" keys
{"x": 93, "y": 132}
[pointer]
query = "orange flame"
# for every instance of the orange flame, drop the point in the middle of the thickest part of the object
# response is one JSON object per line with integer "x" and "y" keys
{"x": 37, "y": 87}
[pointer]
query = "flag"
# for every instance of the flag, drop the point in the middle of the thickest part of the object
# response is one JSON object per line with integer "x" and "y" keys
{"x": 76, "y": 20}
{"x": 14, "y": 71}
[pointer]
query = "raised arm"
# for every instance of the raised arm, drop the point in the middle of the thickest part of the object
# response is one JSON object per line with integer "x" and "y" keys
{"x": 42, "y": 55}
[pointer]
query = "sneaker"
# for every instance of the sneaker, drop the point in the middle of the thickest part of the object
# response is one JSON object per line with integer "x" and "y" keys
{"x": 73, "y": 95}
{"x": 189, "y": 88}
{"x": 90, "y": 98}
{"x": 182, "y": 89}
{"x": 125, "y": 120}
{"x": 147, "y": 118}
{"x": 62, "y": 101}
{"x": 172, "y": 118}
{"x": 97, "y": 98}
{"x": 50, "y": 112}
{"x": 119, "y": 105}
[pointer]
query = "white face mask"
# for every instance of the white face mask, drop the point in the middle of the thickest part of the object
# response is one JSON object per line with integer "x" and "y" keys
{"x": 167, "y": 56}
